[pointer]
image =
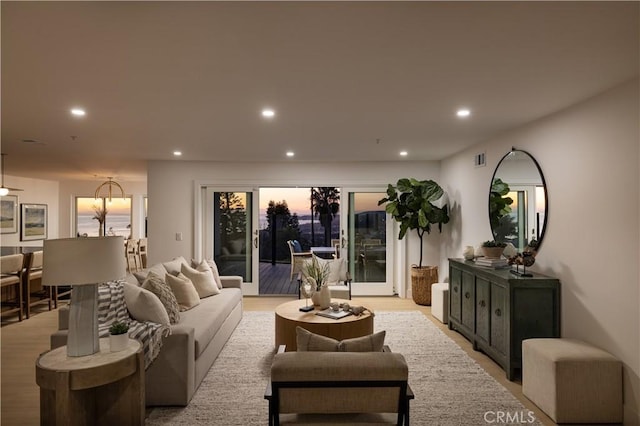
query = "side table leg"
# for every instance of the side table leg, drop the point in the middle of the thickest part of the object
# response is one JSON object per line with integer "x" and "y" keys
{"x": 62, "y": 409}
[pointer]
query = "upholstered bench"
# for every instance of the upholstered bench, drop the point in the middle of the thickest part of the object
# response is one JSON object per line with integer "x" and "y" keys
{"x": 572, "y": 381}
{"x": 440, "y": 301}
{"x": 339, "y": 382}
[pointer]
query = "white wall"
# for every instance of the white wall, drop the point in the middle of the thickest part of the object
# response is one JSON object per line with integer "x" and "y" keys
{"x": 590, "y": 158}
{"x": 36, "y": 191}
{"x": 171, "y": 194}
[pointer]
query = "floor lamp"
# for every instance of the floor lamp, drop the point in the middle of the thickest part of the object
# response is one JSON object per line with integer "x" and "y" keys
{"x": 83, "y": 263}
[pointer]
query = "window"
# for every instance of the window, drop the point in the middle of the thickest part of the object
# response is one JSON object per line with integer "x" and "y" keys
{"x": 95, "y": 217}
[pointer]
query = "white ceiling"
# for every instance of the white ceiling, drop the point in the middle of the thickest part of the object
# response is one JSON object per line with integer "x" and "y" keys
{"x": 350, "y": 81}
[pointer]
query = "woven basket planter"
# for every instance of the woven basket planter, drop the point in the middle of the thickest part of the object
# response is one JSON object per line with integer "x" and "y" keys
{"x": 421, "y": 281}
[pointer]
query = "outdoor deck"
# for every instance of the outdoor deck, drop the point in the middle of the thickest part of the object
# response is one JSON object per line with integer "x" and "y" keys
{"x": 274, "y": 279}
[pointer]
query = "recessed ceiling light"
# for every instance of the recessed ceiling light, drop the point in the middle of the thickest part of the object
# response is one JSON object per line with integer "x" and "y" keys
{"x": 78, "y": 112}
{"x": 177, "y": 153}
{"x": 268, "y": 113}
{"x": 403, "y": 153}
{"x": 290, "y": 154}
{"x": 463, "y": 112}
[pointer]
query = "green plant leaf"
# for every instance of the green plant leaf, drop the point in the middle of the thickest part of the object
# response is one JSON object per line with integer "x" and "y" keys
{"x": 404, "y": 185}
{"x": 404, "y": 227}
{"x": 422, "y": 219}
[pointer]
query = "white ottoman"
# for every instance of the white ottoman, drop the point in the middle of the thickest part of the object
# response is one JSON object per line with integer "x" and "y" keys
{"x": 572, "y": 381}
{"x": 440, "y": 301}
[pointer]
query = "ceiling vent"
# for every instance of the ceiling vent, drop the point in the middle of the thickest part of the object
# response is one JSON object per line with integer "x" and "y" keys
{"x": 479, "y": 160}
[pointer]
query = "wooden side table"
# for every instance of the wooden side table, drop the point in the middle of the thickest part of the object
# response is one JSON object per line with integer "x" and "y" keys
{"x": 105, "y": 388}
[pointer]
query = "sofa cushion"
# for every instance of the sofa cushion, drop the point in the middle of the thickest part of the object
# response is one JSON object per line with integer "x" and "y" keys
{"x": 143, "y": 305}
{"x": 203, "y": 281}
{"x": 132, "y": 279}
{"x": 156, "y": 284}
{"x": 209, "y": 316}
{"x": 214, "y": 269}
{"x": 184, "y": 290}
{"x": 157, "y": 269}
{"x": 174, "y": 266}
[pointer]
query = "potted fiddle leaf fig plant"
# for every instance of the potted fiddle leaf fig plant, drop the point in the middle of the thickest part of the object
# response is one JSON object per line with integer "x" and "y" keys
{"x": 418, "y": 205}
{"x": 118, "y": 337}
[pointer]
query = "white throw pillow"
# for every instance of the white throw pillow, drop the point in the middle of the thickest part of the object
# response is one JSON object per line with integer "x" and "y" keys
{"x": 131, "y": 279}
{"x": 173, "y": 267}
{"x": 158, "y": 269}
{"x": 143, "y": 305}
{"x": 203, "y": 281}
{"x": 337, "y": 269}
{"x": 214, "y": 269}
{"x": 184, "y": 290}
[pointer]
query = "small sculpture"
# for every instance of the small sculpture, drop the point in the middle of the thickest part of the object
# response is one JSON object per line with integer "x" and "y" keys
{"x": 527, "y": 258}
{"x": 306, "y": 290}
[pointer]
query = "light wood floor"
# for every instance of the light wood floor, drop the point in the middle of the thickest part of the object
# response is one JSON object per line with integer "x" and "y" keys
{"x": 22, "y": 343}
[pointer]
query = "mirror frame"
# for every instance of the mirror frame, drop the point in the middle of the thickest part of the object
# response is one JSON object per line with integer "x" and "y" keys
{"x": 544, "y": 186}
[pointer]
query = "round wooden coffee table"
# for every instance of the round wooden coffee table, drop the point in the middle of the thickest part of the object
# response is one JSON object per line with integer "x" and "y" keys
{"x": 288, "y": 317}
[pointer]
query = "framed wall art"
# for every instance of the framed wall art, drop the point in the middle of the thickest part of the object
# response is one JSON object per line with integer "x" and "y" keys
{"x": 9, "y": 214}
{"x": 33, "y": 222}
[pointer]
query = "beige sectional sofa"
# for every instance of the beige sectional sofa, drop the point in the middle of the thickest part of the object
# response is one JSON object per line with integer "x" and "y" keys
{"x": 195, "y": 341}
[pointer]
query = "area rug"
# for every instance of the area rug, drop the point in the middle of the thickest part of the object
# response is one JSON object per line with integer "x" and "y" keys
{"x": 450, "y": 388}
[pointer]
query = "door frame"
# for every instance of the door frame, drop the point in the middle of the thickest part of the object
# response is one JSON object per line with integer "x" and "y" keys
{"x": 203, "y": 225}
{"x": 388, "y": 287}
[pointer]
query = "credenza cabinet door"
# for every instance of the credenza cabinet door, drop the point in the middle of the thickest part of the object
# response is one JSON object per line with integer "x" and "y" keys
{"x": 498, "y": 324}
{"x": 455, "y": 291}
{"x": 468, "y": 300}
{"x": 482, "y": 309}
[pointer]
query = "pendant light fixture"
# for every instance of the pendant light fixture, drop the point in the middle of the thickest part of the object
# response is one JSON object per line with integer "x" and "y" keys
{"x": 109, "y": 184}
{"x": 3, "y": 189}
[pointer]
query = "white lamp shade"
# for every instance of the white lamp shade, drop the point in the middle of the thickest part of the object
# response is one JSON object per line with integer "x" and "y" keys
{"x": 79, "y": 261}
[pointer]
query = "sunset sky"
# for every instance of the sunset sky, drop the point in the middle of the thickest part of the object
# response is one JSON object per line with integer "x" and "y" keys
{"x": 298, "y": 199}
{"x": 116, "y": 206}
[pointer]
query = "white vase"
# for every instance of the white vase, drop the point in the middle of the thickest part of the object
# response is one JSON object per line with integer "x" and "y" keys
{"x": 315, "y": 298}
{"x": 325, "y": 297}
{"x": 469, "y": 253}
{"x": 118, "y": 342}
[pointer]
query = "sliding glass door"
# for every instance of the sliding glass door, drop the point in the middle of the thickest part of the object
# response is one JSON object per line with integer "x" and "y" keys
{"x": 367, "y": 239}
{"x": 230, "y": 233}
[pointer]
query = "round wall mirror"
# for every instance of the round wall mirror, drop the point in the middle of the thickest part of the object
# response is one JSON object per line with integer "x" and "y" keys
{"x": 518, "y": 201}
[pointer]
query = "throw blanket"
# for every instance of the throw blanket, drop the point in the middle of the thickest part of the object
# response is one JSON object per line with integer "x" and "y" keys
{"x": 112, "y": 307}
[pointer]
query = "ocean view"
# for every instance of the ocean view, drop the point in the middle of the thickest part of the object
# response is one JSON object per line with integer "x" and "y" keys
{"x": 118, "y": 224}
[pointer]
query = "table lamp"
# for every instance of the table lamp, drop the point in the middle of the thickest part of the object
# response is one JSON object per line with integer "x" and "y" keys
{"x": 83, "y": 263}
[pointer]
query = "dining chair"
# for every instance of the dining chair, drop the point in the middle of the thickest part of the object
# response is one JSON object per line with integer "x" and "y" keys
{"x": 297, "y": 257}
{"x": 11, "y": 270}
{"x": 142, "y": 252}
{"x": 34, "y": 292}
{"x": 131, "y": 253}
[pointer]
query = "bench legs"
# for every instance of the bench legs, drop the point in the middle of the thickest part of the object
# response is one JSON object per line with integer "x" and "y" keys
{"x": 272, "y": 396}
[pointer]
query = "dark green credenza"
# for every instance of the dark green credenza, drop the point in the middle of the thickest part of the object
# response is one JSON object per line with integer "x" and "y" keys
{"x": 496, "y": 310}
